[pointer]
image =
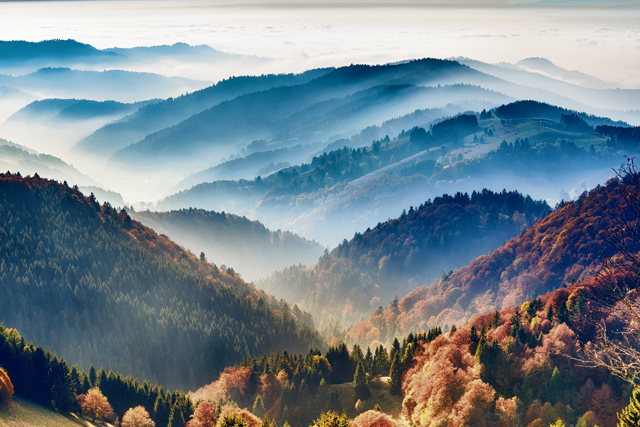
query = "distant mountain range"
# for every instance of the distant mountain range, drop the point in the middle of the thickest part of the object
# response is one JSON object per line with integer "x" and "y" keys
{"x": 16, "y": 158}
{"x": 363, "y": 184}
{"x": 118, "y": 85}
{"x": 62, "y": 110}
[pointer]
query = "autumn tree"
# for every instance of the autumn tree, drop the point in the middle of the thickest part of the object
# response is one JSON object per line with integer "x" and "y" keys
{"x": 205, "y": 415}
{"x": 137, "y": 417}
{"x": 618, "y": 350}
{"x": 231, "y": 420}
{"x": 332, "y": 419}
{"x": 373, "y": 419}
{"x": 630, "y": 416}
{"x": 6, "y": 388}
{"x": 96, "y": 406}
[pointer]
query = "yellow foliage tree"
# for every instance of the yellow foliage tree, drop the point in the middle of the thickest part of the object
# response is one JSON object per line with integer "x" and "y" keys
{"x": 96, "y": 405}
{"x": 137, "y": 417}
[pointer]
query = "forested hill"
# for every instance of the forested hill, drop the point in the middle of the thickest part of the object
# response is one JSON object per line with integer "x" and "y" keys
{"x": 562, "y": 247}
{"x": 169, "y": 112}
{"x": 399, "y": 255}
{"x": 102, "y": 289}
{"x": 236, "y": 241}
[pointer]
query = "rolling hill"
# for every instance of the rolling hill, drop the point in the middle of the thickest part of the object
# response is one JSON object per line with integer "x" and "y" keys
{"x": 74, "y": 109}
{"x": 563, "y": 247}
{"x": 236, "y": 241}
{"x": 16, "y": 158}
{"x": 112, "y": 137}
{"x": 117, "y": 85}
{"x": 100, "y": 288}
{"x": 358, "y": 184}
{"x": 399, "y": 255}
{"x": 287, "y": 110}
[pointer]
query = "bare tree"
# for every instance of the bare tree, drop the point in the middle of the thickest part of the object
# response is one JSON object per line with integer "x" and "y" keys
{"x": 618, "y": 349}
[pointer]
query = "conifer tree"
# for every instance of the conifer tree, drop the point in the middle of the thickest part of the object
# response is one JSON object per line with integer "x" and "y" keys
{"x": 395, "y": 347}
{"x": 630, "y": 416}
{"x": 176, "y": 419}
{"x": 368, "y": 361}
{"x": 473, "y": 337}
{"x": 161, "y": 410}
{"x": 555, "y": 386}
{"x": 550, "y": 313}
{"x": 395, "y": 374}
{"x": 258, "y": 407}
{"x": 332, "y": 419}
{"x": 92, "y": 376}
{"x": 360, "y": 382}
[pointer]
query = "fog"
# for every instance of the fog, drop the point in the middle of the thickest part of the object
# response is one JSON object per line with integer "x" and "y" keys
{"x": 598, "y": 41}
{"x": 593, "y": 69}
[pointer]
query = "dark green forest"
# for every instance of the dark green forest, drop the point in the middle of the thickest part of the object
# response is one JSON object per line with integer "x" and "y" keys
{"x": 99, "y": 288}
{"x": 42, "y": 377}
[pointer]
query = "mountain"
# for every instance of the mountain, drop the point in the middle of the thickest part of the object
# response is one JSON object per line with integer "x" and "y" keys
{"x": 129, "y": 130}
{"x": 548, "y": 68}
{"x": 74, "y": 110}
{"x": 252, "y": 165}
{"x": 24, "y": 51}
{"x": 399, "y": 255}
{"x": 117, "y": 85}
{"x": 10, "y": 98}
{"x": 301, "y": 111}
{"x": 563, "y": 247}
{"x": 16, "y": 158}
{"x": 344, "y": 190}
{"x": 100, "y": 288}
{"x": 180, "y": 59}
{"x": 231, "y": 240}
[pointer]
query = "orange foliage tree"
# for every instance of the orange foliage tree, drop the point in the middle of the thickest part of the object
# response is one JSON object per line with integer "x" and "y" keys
{"x": 137, "y": 417}
{"x": 6, "y": 388}
{"x": 96, "y": 406}
{"x": 373, "y": 419}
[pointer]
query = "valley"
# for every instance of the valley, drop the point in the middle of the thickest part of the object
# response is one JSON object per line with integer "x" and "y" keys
{"x": 192, "y": 236}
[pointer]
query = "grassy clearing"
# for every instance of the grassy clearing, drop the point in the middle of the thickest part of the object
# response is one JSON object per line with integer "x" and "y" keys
{"x": 22, "y": 413}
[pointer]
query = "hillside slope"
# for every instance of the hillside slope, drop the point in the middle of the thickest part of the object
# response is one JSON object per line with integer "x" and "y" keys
{"x": 99, "y": 288}
{"x": 518, "y": 367}
{"x": 22, "y": 413}
{"x": 562, "y": 247}
{"x": 283, "y": 112}
{"x": 114, "y": 136}
{"x": 236, "y": 241}
{"x": 398, "y": 255}
{"x": 117, "y": 85}
{"x": 16, "y": 158}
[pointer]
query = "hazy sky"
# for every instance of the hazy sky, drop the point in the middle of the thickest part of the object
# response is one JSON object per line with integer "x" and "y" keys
{"x": 598, "y": 39}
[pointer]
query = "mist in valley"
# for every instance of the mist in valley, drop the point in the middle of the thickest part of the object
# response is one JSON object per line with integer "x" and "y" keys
{"x": 312, "y": 173}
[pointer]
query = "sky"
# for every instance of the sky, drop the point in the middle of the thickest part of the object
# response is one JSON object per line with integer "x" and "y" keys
{"x": 589, "y": 36}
